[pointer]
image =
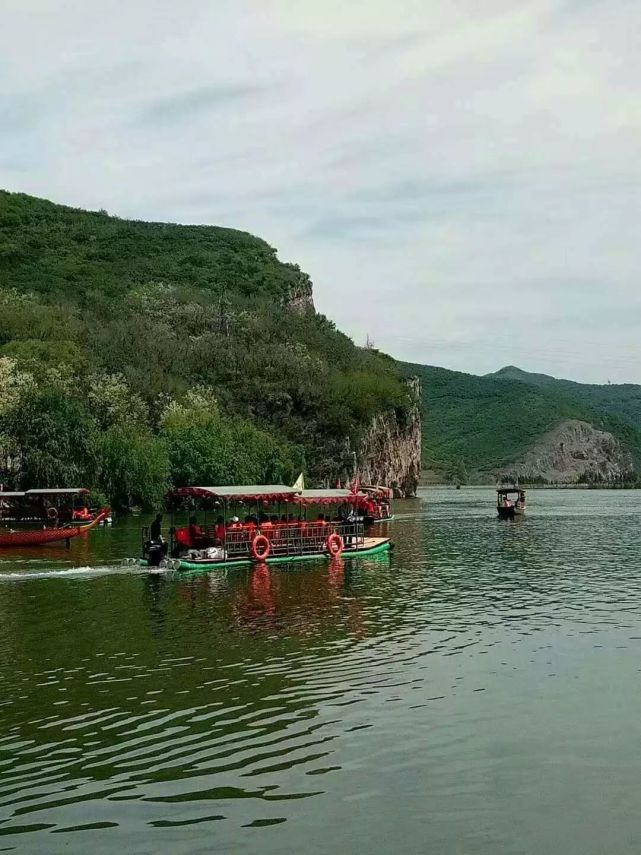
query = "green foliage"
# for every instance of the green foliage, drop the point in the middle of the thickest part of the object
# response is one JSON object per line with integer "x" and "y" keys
{"x": 55, "y": 438}
{"x": 129, "y": 317}
{"x": 619, "y": 401}
{"x": 52, "y": 250}
{"x": 135, "y": 467}
{"x": 113, "y": 402}
{"x": 481, "y": 425}
{"x": 206, "y": 448}
{"x": 98, "y": 499}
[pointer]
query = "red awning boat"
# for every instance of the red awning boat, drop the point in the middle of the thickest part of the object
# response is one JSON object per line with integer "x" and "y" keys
{"x": 39, "y": 537}
{"x": 38, "y": 517}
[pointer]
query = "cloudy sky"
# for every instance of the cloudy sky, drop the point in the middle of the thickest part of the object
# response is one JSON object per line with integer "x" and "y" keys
{"x": 459, "y": 177}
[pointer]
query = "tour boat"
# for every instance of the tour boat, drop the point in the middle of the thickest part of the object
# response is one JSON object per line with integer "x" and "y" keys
{"x": 281, "y": 524}
{"x": 39, "y": 517}
{"x": 377, "y": 505}
{"x": 507, "y": 508}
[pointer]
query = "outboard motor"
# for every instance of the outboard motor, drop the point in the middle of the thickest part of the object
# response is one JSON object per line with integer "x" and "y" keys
{"x": 155, "y": 552}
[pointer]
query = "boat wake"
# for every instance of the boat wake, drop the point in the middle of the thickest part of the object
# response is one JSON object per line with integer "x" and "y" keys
{"x": 71, "y": 572}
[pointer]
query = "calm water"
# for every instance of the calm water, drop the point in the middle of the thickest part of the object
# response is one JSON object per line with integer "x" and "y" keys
{"x": 477, "y": 692}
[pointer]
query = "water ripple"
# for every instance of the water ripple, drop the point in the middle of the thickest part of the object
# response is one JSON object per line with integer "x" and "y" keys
{"x": 482, "y": 673}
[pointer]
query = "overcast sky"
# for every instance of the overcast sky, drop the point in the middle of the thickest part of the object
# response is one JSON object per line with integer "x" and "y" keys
{"x": 460, "y": 179}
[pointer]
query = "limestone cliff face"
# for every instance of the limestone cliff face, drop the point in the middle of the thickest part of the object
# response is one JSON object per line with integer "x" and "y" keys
{"x": 301, "y": 296}
{"x": 390, "y": 452}
{"x": 574, "y": 450}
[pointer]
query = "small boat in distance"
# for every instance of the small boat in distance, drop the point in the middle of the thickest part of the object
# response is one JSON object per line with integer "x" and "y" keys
{"x": 508, "y": 508}
{"x": 39, "y": 517}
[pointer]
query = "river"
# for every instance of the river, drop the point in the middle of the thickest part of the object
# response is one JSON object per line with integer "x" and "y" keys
{"x": 476, "y": 692}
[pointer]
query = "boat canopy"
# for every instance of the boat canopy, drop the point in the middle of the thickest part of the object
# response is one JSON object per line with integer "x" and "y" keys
{"x": 267, "y": 493}
{"x": 247, "y": 493}
{"x": 58, "y": 491}
{"x": 377, "y": 489}
{"x": 53, "y": 491}
{"x": 329, "y": 497}
{"x": 508, "y": 491}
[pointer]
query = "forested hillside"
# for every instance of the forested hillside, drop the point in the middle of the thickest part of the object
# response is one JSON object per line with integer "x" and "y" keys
{"x": 621, "y": 401}
{"x": 475, "y": 428}
{"x": 134, "y": 355}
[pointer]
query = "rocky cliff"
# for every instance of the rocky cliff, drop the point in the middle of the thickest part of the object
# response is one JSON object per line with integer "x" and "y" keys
{"x": 390, "y": 452}
{"x": 301, "y": 294}
{"x": 574, "y": 451}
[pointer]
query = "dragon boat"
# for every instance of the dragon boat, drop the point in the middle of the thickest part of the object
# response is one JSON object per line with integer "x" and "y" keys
{"x": 39, "y": 517}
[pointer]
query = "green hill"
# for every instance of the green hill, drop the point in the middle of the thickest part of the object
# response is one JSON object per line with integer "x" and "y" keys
{"x": 477, "y": 427}
{"x": 621, "y": 401}
{"x": 137, "y": 354}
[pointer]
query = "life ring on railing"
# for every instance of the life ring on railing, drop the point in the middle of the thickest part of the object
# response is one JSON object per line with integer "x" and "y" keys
{"x": 52, "y": 513}
{"x": 334, "y": 544}
{"x": 260, "y": 548}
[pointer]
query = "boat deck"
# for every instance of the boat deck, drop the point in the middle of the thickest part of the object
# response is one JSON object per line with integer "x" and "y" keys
{"x": 366, "y": 547}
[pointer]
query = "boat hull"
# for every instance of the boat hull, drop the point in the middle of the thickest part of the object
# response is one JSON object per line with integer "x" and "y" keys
{"x": 41, "y": 537}
{"x": 373, "y": 546}
{"x": 510, "y": 513}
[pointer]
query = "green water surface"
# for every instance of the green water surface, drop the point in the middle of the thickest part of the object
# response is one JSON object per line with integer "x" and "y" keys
{"x": 478, "y": 691}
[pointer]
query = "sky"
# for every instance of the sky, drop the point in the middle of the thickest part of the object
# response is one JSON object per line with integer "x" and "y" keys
{"x": 460, "y": 179}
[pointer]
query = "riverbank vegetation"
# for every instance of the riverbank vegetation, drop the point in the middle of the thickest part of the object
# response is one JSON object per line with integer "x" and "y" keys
{"x": 135, "y": 356}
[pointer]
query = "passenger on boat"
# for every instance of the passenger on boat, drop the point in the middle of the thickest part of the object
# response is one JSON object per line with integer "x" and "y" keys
{"x": 266, "y": 525}
{"x": 234, "y": 524}
{"x": 506, "y": 503}
{"x": 219, "y": 530}
{"x": 82, "y": 514}
{"x": 196, "y": 537}
{"x": 249, "y": 524}
{"x": 371, "y": 509}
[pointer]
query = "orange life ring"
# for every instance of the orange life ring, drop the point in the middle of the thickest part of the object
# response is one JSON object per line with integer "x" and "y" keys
{"x": 260, "y": 548}
{"x": 334, "y": 544}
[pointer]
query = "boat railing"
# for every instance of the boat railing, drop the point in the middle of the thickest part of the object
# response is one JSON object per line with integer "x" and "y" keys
{"x": 284, "y": 540}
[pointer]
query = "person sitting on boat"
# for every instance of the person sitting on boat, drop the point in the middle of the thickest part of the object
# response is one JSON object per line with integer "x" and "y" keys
{"x": 196, "y": 537}
{"x": 265, "y": 525}
{"x": 506, "y": 503}
{"x": 82, "y": 514}
{"x": 249, "y": 525}
{"x": 234, "y": 524}
{"x": 371, "y": 509}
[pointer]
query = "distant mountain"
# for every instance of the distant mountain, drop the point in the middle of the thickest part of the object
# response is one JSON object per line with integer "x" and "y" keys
{"x": 511, "y": 372}
{"x": 513, "y": 424}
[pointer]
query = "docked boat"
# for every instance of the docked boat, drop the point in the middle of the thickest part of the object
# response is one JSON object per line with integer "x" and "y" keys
{"x": 40, "y": 517}
{"x": 510, "y": 502}
{"x": 259, "y": 524}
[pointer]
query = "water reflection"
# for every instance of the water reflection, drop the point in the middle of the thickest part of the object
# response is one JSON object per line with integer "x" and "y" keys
{"x": 443, "y": 699}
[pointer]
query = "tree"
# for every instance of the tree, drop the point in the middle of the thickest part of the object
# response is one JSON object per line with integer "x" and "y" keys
{"x": 204, "y": 447}
{"x": 135, "y": 467}
{"x": 55, "y": 438}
